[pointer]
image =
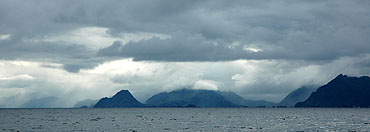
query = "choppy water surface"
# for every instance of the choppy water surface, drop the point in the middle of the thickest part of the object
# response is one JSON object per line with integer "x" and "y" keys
{"x": 185, "y": 119}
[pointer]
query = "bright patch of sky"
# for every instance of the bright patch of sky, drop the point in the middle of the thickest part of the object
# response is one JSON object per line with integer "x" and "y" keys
{"x": 4, "y": 36}
{"x": 95, "y": 37}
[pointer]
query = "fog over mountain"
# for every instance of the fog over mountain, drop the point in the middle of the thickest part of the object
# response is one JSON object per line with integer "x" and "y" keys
{"x": 192, "y": 98}
{"x": 298, "y": 95}
{"x": 260, "y": 50}
{"x": 45, "y": 102}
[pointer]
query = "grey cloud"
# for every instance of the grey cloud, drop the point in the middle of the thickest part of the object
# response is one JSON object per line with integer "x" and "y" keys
{"x": 45, "y": 102}
{"x": 75, "y": 65}
{"x": 37, "y": 50}
{"x": 177, "y": 48}
{"x": 314, "y": 30}
{"x": 15, "y": 83}
{"x": 72, "y": 55}
{"x": 72, "y": 68}
{"x": 294, "y": 30}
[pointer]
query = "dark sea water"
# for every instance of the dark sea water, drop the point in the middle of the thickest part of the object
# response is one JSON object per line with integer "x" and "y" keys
{"x": 186, "y": 119}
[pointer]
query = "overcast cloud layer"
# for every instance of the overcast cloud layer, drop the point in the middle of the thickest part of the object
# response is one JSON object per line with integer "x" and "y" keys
{"x": 87, "y": 49}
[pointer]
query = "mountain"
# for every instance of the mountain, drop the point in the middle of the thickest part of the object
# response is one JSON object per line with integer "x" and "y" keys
{"x": 187, "y": 97}
{"x": 202, "y": 98}
{"x": 122, "y": 99}
{"x": 236, "y": 99}
{"x": 298, "y": 95}
{"x": 45, "y": 102}
{"x": 343, "y": 91}
{"x": 87, "y": 103}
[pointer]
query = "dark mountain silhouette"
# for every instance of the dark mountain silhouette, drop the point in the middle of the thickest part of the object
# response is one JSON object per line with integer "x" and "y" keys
{"x": 343, "y": 91}
{"x": 201, "y": 98}
{"x": 298, "y": 95}
{"x": 123, "y": 99}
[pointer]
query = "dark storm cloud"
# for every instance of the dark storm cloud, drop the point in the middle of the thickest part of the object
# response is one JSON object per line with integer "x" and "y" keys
{"x": 19, "y": 49}
{"x": 33, "y": 20}
{"x": 319, "y": 30}
{"x": 178, "y": 48}
{"x": 73, "y": 56}
{"x": 75, "y": 65}
{"x": 307, "y": 30}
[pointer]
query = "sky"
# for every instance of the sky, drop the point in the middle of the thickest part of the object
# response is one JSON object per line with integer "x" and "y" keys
{"x": 73, "y": 50}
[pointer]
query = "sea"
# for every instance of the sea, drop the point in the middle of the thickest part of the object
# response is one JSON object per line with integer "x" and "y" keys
{"x": 186, "y": 119}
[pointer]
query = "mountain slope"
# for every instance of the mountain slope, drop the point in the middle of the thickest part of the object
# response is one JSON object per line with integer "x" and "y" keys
{"x": 123, "y": 99}
{"x": 187, "y": 97}
{"x": 202, "y": 98}
{"x": 343, "y": 91}
{"x": 298, "y": 95}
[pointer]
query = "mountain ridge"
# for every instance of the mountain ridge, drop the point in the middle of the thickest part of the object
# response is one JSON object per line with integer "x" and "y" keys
{"x": 342, "y": 91}
{"x": 184, "y": 97}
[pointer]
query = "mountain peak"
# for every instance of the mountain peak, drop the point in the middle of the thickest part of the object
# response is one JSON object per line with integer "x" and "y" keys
{"x": 123, "y": 92}
{"x": 346, "y": 78}
{"x": 121, "y": 99}
{"x": 340, "y": 76}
